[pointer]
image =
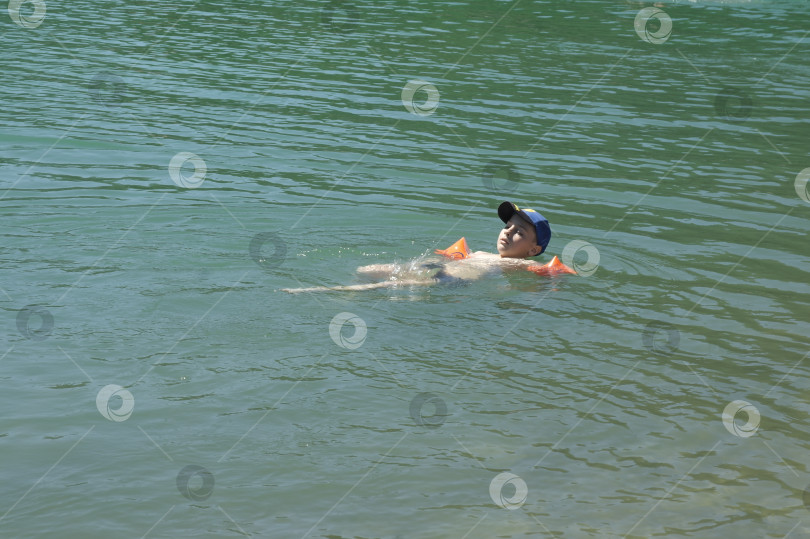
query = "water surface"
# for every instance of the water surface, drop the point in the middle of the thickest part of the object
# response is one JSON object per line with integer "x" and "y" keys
{"x": 603, "y": 393}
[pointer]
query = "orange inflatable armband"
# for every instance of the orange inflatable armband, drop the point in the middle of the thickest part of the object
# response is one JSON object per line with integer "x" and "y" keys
{"x": 457, "y": 251}
{"x": 552, "y": 268}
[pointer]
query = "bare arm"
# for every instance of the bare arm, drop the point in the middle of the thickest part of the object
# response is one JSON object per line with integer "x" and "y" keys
{"x": 369, "y": 286}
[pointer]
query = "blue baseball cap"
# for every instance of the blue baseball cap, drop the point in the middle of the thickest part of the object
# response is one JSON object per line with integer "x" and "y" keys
{"x": 507, "y": 209}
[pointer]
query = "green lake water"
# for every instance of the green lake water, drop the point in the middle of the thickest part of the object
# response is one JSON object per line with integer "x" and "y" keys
{"x": 168, "y": 167}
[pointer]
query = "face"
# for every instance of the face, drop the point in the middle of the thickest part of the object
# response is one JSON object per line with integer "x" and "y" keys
{"x": 518, "y": 239}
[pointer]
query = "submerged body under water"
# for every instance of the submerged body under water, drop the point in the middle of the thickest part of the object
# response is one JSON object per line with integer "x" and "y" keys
{"x": 427, "y": 270}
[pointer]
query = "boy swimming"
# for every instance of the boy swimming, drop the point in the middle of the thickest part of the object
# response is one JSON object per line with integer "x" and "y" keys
{"x": 525, "y": 234}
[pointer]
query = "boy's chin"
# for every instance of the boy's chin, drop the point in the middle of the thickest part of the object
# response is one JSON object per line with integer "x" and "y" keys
{"x": 507, "y": 254}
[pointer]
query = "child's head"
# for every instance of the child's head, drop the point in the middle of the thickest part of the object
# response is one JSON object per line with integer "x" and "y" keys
{"x": 526, "y": 233}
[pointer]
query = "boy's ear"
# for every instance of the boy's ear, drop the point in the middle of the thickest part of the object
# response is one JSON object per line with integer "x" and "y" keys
{"x": 536, "y": 250}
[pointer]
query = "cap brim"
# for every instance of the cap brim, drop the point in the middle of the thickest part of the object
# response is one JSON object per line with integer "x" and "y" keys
{"x": 506, "y": 210}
